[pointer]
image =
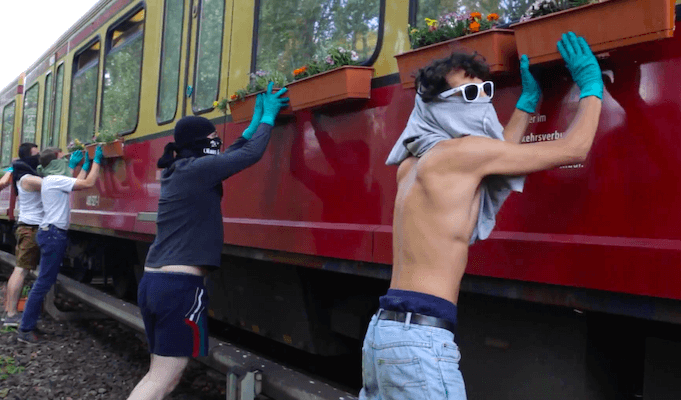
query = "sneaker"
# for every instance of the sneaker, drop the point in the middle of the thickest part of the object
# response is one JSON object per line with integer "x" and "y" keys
{"x": 12, "y": 321}
{"x": 29, "y": 337}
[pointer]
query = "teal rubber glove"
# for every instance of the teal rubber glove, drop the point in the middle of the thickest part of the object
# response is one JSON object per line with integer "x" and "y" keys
{"x": 271, "y": 104}
{"x": 255, "y": 121}
{"x": 531, "y": 91}
{"x": 10, "y": 169}
{"x": 75, "y": 159}
{"x": 582, "y": 65}
{"x": 98, "y": 155}
{"x": 87, "y": 163}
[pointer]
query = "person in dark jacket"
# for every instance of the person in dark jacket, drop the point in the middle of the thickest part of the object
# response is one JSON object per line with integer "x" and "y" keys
{"x": 172, "y": 296}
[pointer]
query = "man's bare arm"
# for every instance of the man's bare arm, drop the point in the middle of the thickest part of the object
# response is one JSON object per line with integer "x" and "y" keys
{"x": 82, "y": 174}
{"x": 516, "y": 126}
{"x": 5, "y": 180}
{"x": 484, "y": 156}
{"x": 31, "y": 183}
{"x": 88, "y": 182}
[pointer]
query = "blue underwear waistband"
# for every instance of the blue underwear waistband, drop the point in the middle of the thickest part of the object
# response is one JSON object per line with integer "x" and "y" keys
{"x": 417, "y": 302}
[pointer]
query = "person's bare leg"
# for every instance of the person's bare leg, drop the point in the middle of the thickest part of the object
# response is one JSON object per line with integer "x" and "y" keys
{"x": 164, "y": 374}
{"x": 14, "y": 287}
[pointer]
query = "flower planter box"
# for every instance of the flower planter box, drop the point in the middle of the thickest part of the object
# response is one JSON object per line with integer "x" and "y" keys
{"x": 109, "y": 150}
{"x": 344, "y": 83}
{"x": 605, "y": 26}
{"x": 496, "y": 45}
{"x": 21, "y": 304}
{"x": 242, "y": 110}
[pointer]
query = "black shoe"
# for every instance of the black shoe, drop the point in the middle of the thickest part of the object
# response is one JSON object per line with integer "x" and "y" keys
{"x": 29, "y": 337}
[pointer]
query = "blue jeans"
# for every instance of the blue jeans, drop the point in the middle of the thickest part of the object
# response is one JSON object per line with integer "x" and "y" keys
{"x": 402, "y": 361}
{"x": 52, "y": 244}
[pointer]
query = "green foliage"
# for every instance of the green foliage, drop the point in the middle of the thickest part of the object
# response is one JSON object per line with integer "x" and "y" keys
{"x": 30, "y": 118}
{"x": 122, "y": 76}
{"x": 106, "y": 136}
{"x": 450, "y": 26}
{"x": 336, "y": 57}
{"x": 75, "y": 144}
{"x": 25, "y": 290}
{"x": 208, "y": 54}
{"x": 258, "y": 83}
{"x": 170, "y": 61}
{"x": 545, "y": 7}
{"x": 292, "y": 32}
{"x": 7, "y": 133}
{"x": 8, "y": 367}
{"x": 83, "y": 100}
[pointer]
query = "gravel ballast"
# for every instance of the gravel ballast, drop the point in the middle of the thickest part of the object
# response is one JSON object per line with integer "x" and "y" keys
{"x": 87, "y": 359}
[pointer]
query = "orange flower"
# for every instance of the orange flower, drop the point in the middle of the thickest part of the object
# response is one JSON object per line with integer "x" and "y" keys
{"x": 233, "y": 97}
{"x": 300, "y": 70}
{"x": 493, "y": 17}
{"x": 475, "y": 15}
{"x": 474, "y": 27}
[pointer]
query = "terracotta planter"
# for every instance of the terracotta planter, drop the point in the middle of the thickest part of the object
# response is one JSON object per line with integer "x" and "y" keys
{"x": 21, "y": 304}
{"x": 348, "y": 82}
{"x": 496, "y": 45}
{"x": 242, "y": 110}
{"x": 109, "y": 150}
{"x": 605, "y": 26}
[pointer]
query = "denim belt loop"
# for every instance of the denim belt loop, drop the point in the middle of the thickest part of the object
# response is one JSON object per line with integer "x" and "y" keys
{"x": 378, "y": 316}
{"x": 407, "y": 321}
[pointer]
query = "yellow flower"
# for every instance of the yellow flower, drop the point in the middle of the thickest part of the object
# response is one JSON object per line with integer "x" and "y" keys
{"x": 215, "y": 104}
{"x": 431, "y": 22}
{"x": 414, "y": 31}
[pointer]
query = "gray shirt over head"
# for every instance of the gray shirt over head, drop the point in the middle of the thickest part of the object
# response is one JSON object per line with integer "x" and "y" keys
{"x": 450, "y": 118}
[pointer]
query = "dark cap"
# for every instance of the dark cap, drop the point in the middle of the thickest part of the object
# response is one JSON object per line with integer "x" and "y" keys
{"x": 189, "y": 129}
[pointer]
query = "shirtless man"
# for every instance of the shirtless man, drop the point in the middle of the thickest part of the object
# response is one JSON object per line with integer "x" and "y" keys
{"x": 409, "y": 350}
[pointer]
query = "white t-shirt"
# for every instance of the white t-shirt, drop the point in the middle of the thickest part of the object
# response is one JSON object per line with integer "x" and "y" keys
{"x": 30, "y": 205}
{"x": 56, "y": 202}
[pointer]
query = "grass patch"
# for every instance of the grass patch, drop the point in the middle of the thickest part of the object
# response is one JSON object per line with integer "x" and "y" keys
{"x": 8, "y": 367}
{"x": 8, "y": 329}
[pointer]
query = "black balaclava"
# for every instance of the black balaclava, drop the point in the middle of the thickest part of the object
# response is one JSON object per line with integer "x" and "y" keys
{"x": 190, "y": 141}
{"x": 25, "y": 165}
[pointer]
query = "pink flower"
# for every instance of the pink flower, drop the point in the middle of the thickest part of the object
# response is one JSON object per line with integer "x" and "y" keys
{"x": 329, "y": 60}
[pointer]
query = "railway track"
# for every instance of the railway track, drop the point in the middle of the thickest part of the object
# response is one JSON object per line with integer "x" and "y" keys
{"x": 247, "y": 375}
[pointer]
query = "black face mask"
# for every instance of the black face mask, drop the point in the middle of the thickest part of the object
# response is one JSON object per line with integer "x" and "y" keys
{"x": 213, "y": 146}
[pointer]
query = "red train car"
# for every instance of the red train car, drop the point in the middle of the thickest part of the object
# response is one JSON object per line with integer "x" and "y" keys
{"x": 576, "y": 293}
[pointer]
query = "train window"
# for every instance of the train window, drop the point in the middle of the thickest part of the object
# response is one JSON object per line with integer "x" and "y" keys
{"x": 30, "y": 117}
{"x": 7, "y": 134}
{"x": 169, "y": 81}
{"x": 507, "y": 10}
{"x": 122, "y": 76}
{"x": 84, "y": 94}
{"x": 208, "y": 54}
{"x": 46, "y": 136}
{"x": 288, "y": 35}
{"x": 59, "y": 86}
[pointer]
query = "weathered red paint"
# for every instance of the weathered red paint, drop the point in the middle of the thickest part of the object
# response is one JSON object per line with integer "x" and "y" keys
{"x": 322, "y": 187}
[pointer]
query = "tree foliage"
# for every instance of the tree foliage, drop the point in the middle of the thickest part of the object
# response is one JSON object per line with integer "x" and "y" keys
{"x": 7, "y": 134}
{"x": 292, "y": 32}
{"x": 508, "y": 10}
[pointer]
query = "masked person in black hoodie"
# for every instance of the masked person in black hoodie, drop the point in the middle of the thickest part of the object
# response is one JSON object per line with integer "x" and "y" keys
{"x": 26, "y": 183}
{"x": 171, "y": 295}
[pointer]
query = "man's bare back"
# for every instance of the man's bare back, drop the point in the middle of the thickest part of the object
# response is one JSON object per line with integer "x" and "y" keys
{"x": 435, "y": 214}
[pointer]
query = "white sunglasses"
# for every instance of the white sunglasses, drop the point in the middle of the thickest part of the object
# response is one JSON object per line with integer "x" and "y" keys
{"x": 471, "y": 91}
